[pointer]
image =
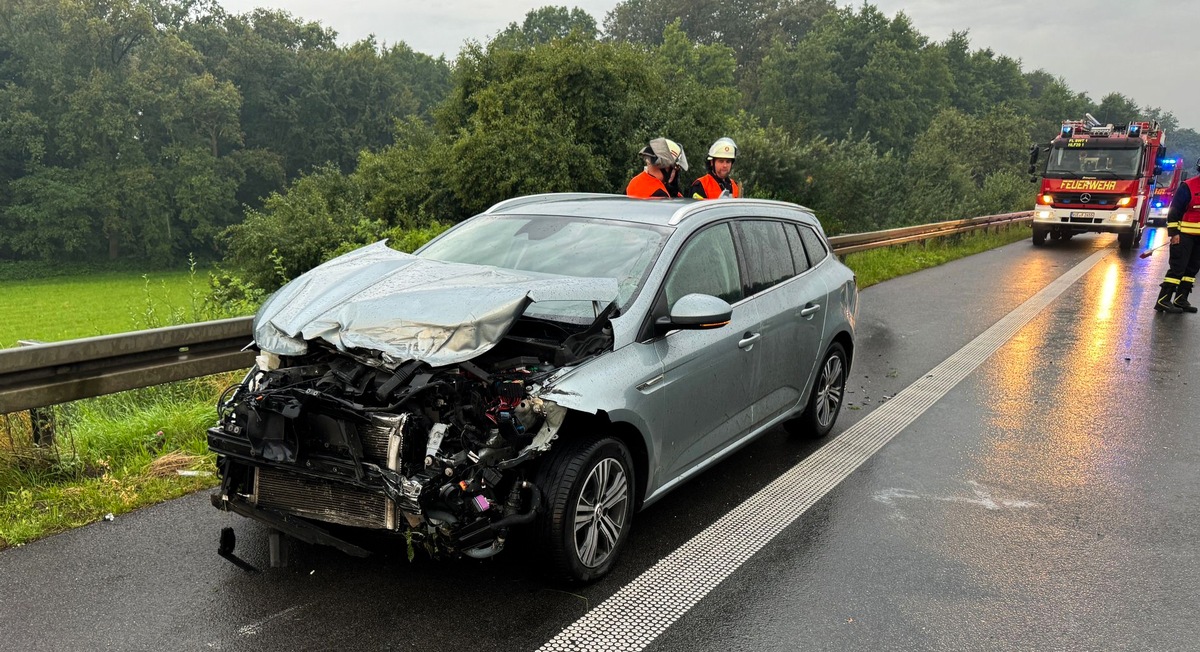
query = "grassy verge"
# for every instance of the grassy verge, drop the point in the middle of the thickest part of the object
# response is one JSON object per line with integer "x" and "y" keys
{"x": 84, "y": 304}
{"x": 878, "y": 265}
{"x": 110, "y": 457}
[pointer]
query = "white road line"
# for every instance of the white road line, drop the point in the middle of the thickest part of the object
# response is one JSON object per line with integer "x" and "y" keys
{"x": 642, "y": 610}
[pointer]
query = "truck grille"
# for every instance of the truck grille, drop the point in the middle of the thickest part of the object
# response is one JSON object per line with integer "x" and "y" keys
{"x": 322, "y": 501}
{"x": 1096, "y": 200}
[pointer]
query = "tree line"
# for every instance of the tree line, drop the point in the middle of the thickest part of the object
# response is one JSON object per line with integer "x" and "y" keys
{"x": 144, "y": 128}
{"x": 160, "y": 127}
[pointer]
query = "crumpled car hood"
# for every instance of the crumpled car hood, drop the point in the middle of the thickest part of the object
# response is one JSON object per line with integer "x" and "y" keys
{"x": 409, "y": 308}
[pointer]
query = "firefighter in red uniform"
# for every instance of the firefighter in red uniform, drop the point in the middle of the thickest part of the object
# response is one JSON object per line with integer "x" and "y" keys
{"x": 718, "y": 183}
{"x": 660, "y": 178}
{"x": 1183, "y": 227}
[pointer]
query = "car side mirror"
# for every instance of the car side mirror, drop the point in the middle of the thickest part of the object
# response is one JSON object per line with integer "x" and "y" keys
{"x": 1158, "y": 170}
{"x": 696, "y": 312}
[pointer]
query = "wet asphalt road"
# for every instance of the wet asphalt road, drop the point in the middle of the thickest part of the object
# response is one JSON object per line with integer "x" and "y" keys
{"x": 1049, "y": 501}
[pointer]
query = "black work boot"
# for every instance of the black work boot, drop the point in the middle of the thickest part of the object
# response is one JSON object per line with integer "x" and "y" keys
{"x": 1164, "y": 300}
{"x": 1181, "y": 301}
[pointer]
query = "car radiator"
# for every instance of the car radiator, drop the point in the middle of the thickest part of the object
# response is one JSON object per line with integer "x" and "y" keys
{"x": 322, "y": 501}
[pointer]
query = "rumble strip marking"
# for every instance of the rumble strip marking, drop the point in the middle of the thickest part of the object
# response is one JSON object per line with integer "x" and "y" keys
{"x": 637, "y": 614}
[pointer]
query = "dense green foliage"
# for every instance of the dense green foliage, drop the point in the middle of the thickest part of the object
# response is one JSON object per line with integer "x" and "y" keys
{"x": 156, "y": 128}
{"x": 851, "y": 112}
{"x": 142, "y": 128}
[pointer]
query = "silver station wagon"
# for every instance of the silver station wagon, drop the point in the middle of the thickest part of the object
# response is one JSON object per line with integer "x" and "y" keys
{"x": 554, "y": 364}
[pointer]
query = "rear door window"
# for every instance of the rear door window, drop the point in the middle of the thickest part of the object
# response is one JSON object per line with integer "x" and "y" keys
{"x": 813, "y": 245}
{"x": 797, "y": 247}
{"x": 767, "y": 253}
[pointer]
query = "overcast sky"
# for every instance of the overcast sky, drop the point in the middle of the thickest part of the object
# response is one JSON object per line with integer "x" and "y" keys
{"x": 1133, "y": 47}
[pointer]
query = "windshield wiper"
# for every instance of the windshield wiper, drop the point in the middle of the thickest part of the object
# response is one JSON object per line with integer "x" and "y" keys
{"x": 1061, "y": 174}
{"x": 1105, "y": 174}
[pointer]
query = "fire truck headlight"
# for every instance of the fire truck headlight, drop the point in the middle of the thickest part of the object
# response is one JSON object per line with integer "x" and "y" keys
{"x": 1122, "y": 217}
{"x": 1046, "y": 199}
{"x": 1045, "y": 215}
{"x": 1124, "y": 201}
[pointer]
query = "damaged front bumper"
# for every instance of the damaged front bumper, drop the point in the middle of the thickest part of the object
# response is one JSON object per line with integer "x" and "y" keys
{"x": 441, "y": 457}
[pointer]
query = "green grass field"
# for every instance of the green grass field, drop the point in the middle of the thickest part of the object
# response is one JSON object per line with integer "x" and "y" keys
{"x": 83, "y": 305}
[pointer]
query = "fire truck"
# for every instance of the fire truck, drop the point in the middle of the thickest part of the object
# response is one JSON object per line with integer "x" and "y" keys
{"x": 1161, "y": 201}
{"x": 1097, "y": 178}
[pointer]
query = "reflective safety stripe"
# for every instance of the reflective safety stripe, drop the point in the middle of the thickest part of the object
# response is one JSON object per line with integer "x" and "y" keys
{"x": 1189, "y": 279}
{"x": 1172, "y": 225}
{"x": 1189, "y": 227}
{"x": 1172, "y": 281}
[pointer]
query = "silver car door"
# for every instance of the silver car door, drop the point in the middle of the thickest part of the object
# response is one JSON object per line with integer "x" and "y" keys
{"x": 708, "y": 375}
{"x": 792, "y": 311}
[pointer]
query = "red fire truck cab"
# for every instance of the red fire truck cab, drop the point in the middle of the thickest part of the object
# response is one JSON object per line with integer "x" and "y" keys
{"x": 1098, "y": 178}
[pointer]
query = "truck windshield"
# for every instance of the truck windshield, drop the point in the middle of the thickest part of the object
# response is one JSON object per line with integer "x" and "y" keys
{"x": 1077, "y": 163}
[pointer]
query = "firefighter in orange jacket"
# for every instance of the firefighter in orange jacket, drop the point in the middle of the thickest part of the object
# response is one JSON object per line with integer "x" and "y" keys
{"x": 1183, "y": 227}
{"x": 718, "y": 183}
{"x": 664, "y": 159}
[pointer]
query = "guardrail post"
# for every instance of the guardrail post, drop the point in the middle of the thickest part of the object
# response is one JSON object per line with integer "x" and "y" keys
{"x": 41, "y": 420}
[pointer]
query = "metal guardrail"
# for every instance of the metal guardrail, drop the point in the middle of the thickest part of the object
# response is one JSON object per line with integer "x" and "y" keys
{"x": 846, "y": 244}
{"x": 47, "y": 374}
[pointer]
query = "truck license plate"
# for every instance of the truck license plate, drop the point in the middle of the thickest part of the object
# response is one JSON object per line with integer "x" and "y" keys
{"x": 1082, "y": 214}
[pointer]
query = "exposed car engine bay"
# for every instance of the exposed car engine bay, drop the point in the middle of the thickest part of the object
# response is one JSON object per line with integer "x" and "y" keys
{"x": 439, "y": 454}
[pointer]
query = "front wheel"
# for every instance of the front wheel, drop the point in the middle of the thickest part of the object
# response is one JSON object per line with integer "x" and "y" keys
{"x": 1039, "y": 237}
{"x": 825, "y": 401}
{"x": 1125, "y": 240}
{"x": 589, "y": 487}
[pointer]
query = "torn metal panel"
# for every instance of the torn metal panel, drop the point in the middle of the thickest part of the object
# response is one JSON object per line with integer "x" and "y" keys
{"x": 410, "y": 308}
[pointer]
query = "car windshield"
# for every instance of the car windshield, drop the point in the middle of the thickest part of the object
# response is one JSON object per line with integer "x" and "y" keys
{"x": 1107, "y": 163}
{"x": 569, "y": 246}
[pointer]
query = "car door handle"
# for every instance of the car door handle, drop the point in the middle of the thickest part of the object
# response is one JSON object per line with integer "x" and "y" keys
{"x": 810, "y": 309}
{"x": 748, "y": 340}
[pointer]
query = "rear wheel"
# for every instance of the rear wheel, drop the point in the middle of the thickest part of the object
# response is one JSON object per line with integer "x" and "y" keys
{"x": 828, "y": 392}
{"x": 589, "y": 489}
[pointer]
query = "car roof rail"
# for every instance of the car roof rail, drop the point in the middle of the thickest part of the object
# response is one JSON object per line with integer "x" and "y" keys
{"x": 544, "y": 198}
{"x": 691, "y": 209}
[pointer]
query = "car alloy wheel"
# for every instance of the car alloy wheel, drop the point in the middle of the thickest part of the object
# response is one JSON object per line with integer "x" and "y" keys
{"x": 588, "y": 485}
{"x": 600, "y": 512}
{"x": 828, "y": 392}
{"x": 831, "y": 384}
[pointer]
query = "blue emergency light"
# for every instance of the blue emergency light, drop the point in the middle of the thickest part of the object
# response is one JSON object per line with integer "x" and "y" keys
{"x": 1158, "y": 204}
{"x": 1134, "y": 129}
{"x": 1169, "y": 163}
{"x": 1066, "y": 130}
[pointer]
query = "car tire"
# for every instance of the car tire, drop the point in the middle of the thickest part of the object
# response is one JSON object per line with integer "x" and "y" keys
{"x": 825, "y": 400}
{"x": 1125, "y": 241}
{"x": 1039, "y": 237}
{"x": 573, "y": 478}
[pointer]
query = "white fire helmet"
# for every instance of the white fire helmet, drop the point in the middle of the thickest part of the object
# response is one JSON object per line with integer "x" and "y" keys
{"x": 665, "y": 153}
{"x": 723, "y": 148}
